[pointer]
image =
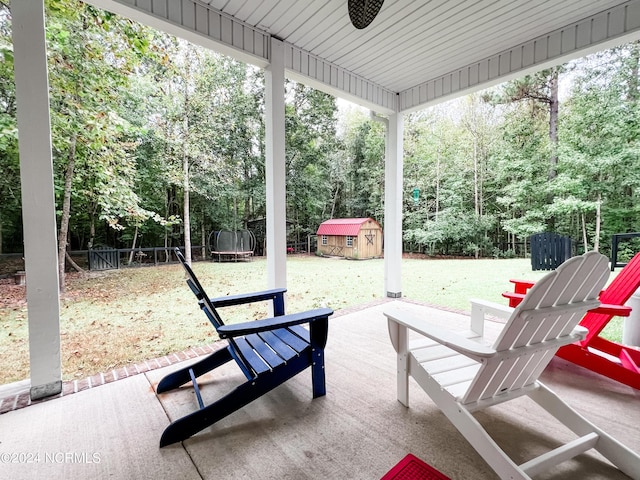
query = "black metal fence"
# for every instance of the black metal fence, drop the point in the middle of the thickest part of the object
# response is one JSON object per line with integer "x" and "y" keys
{"x": 615, "y": 240}
{"x": 105, "y": 258}
{"x": 549, "y": 250}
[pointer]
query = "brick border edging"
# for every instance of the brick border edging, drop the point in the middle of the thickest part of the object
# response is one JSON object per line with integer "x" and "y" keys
{"x": 23, "y": 399}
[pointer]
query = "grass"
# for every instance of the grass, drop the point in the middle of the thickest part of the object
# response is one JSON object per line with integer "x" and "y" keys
{"x": 114, "y": 318}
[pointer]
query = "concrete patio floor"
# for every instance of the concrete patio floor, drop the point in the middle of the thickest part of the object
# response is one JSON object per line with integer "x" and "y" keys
{"x": 357, "y": 431}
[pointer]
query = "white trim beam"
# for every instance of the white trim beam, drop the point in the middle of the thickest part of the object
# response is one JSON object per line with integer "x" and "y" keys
{"x": 211, "y": 28}
{"x": 612, "y": 27}
{"x": 38, "y": 205}
{"x": 197, "y": 23}
{"x": 315, "y": 72}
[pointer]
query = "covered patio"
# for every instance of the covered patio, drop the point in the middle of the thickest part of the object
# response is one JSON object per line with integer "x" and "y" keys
{"x": 358, "y": 430}
{"x": 414, "y": 55}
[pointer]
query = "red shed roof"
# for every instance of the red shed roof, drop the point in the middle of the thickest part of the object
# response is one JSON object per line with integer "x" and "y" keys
{"x": 343, "y": 226}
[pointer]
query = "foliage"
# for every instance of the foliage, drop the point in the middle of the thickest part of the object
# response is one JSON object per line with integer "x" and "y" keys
{"x": 10, "y": 220}
{"x": 156, "y": 140}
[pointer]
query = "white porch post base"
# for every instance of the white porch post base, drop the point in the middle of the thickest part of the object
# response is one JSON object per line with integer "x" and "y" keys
{"x": 46, "y": 390}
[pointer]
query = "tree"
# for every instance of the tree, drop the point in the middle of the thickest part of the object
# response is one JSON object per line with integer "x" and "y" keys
{"x": 365, "y": 148}
{"x": 9, "y": 162}
{"x": 91, "y": 55}
{"x": 540, "y": 89}
{"x": 599, "y": 150}
{"x": 311, "y": 145}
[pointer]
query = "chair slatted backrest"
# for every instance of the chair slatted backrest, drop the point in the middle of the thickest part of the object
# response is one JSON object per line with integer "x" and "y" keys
{"x": 235, "y": 345}
{"x": 617, "y": 293}
{"x": 201, "y": 295}
{"x": 551, "y": 309}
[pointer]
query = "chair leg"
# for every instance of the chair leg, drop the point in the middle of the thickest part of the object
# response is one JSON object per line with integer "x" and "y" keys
{"x": 244, "y": 394}
{"x": 402, "y": 378}
{"x": 182, "y": 376}
{"x": 470, "y": 428}
{"x": 617, "y": 453}
{"x": 400, "y": 339}
{"x": 574, "y": 353}
{"x": 317, "y": 373}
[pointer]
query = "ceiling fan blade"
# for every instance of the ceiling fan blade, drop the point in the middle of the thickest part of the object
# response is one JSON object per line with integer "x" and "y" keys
{"x": 362, "y": 12}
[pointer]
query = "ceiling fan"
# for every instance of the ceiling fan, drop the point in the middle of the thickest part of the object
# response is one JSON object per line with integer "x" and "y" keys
{"x": 362, "y": 12}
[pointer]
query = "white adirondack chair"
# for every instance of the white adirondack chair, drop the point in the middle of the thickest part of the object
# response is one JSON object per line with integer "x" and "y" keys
{"x": 462, "y": 374}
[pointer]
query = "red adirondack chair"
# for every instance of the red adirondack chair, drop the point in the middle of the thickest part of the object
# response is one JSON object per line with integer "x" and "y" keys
{"x": 611, "y": 359}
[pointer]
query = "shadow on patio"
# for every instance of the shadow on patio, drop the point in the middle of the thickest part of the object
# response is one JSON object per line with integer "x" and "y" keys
{"x": 358, "y": 430}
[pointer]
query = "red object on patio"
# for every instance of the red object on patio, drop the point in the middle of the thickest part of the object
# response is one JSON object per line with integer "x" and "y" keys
{"x": 412, "y": 468}
{"x": 611, "y": 359}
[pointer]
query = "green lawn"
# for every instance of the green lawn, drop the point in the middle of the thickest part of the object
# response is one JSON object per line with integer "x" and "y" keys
{"x": 114, "y": 318}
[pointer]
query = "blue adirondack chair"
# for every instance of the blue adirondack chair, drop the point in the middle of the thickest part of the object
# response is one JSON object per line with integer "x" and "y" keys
{"x": 269, "y": 352}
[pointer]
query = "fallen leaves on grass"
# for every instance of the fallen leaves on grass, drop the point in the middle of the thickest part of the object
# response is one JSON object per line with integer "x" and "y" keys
{"x": 11, "y": 295}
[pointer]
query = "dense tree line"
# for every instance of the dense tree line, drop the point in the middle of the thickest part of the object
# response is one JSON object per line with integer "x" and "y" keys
{"x": 157, "y": 142}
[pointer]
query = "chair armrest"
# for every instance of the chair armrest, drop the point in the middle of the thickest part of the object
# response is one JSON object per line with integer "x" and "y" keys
{"x": 491, "y": 308}
{"x": 441, "y": 335}
{"x": 256, "y": 326}
{"x": 616, "y": 310}
{"x": 513, "y": 295}
{"x": 481, "y": 308}
{"x": 514, "y": 298}
{"x": 275, "y": 294}
{"x": 521, "y": 286}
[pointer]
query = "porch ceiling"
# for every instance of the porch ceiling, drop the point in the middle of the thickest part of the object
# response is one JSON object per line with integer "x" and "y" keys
{"x": 412, "y": 55}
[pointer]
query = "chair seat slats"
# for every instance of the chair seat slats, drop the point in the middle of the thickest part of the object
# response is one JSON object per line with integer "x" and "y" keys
{"x": 265, "y": 351}
{"x": 459, "y": 375}
{"x": 283, "y": 349}
{"x": 445, "y": 364}
{"x": 292, "y": 339}
{"x": 436, "y": 352}
{"x": 256, "y": 363}
{"x": 301, "y": 332}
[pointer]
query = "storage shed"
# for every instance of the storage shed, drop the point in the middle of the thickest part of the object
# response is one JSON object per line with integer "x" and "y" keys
{"x": 350, "y": 238}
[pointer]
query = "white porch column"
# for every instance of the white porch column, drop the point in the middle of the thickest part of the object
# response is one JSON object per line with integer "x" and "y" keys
{"x": 38, "y": 206}
{"x": 393, "y": 207}
{"x": 275, "y": 168}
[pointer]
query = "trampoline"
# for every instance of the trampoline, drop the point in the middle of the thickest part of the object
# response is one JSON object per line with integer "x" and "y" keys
{"x": 228, "y": 245}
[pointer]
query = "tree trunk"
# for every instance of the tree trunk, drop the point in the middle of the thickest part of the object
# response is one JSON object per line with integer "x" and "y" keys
{"x": 185, "y": 172}
{"x": 92, "y": 226}
{"x": 584, "y": 234}
{"x": 476, "y": 197}
{"x": 335, "y": 201}
{"x": 596, "y": 240}
{"x": 437, "y": 184}
{"x": 203, "y": 235}
{"x": 66, "y": 212}
{"x": 634, "y": 91}
{"x": 73, "y": 264}
{"x": 186, "y": 220}
{"x": 133, "y": 245}
{"x": 166, "y": 229}
{"x": 553, "y": 137}
{"x": 554, "y": 103}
